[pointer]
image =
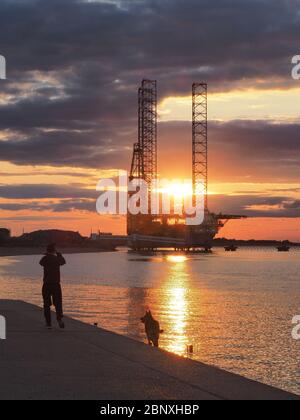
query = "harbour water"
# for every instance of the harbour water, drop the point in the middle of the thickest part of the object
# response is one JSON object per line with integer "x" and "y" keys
{"x": 236, "y": 309}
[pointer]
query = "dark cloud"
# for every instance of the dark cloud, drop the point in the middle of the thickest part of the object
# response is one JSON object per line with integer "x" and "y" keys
{"x": 21, "y": 207}
{"x": 76, "y": 198}
{"x": 94, "y": 149}
{"x": 45, "y": 173}
{"x": 73, "y": 70}
{"x": 248, "y": 151}
{"x": 74, "y": 64}
{"x": 256, "y": 151}
{"x": 270, "y": 191}
{"x": 71, "y": 205}
{"x": 41, "y": 191}
{"x": 294, "y": 205}
{"x": 60, "y": 207}
{"x": 228, "y": 38}
{"x": 239, "y": 151}
{"x": 255, "y": 206}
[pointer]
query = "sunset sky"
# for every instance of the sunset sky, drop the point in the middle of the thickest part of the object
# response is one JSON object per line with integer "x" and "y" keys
{"x": 68, "y": 109}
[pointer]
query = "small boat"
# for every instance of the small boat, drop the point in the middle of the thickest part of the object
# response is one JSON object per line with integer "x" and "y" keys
{"x": 284, "y": 247}
{"x": 199, "y": 251}
{"x": 231, "y": 248}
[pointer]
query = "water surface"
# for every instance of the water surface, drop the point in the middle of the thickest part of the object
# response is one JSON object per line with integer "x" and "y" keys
{"x": 235, "y": 309}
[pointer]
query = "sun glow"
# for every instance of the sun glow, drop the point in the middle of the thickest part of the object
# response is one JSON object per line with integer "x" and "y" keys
{"x": 275, "y": 104}
{"x": 180, "y": 190}
{"x": 177, "y": 189}
{"x": 177, "y": 259}
{"x": 176, "y": 304}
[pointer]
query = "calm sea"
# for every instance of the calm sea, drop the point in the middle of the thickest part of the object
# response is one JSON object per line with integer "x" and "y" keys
{"x": 235, "y": 309}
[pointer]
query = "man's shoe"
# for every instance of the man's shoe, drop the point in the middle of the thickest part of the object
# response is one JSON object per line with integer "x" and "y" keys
{"x": 49, "y": 327}
{"x": 61, "y": 324}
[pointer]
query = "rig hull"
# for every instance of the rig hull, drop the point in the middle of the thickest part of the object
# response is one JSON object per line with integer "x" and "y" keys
{"x": 151, "y": 232}
{"x": 147, "y": 231}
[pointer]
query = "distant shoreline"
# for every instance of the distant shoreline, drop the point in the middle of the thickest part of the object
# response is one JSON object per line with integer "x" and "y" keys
{"x": 222, "y": 242}
{"x": 23, "y": 251}
{"x": 20, "y": 251}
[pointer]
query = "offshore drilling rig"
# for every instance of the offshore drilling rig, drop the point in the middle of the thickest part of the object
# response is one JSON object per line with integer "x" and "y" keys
{"x": 165, "y": 231}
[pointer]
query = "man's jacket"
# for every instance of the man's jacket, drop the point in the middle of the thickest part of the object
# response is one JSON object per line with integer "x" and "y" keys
{"x": 52, "y": 264}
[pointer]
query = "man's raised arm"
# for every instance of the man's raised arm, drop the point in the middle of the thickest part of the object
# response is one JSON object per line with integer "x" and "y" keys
{"x": 42, "y": 262}
{"x": 61, "y": 259}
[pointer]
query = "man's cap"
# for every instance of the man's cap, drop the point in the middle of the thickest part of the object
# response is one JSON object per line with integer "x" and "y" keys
{"x": 51, "y": 248}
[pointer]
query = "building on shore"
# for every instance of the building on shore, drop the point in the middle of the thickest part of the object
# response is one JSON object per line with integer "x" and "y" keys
{"x": 5, "y": 236}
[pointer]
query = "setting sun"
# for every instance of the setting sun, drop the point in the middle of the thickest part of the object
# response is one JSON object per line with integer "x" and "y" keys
{"x": 176, "y": 189}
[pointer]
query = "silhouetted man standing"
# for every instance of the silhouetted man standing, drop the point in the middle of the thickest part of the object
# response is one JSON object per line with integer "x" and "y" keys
{"x": 52, "y": 293}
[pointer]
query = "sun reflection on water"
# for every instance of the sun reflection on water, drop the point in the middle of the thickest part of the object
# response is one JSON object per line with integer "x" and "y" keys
{"x": 176, "y": 258}
{"x": 198, "y": 300}
{"x": 176, "y": 305}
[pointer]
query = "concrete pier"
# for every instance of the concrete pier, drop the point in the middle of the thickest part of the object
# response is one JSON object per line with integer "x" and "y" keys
{"x": 86, "y": 363}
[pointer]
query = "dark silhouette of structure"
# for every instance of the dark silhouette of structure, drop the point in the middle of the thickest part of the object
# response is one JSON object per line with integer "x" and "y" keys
{"x": 156, "y": 231}
{"x": 4, "y": 236}
{"x": 200, "y": 144}
{"x": 59, "y": 237}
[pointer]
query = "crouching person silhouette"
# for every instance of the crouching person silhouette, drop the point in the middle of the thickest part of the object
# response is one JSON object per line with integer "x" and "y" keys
{"x": 52, "y": 293}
